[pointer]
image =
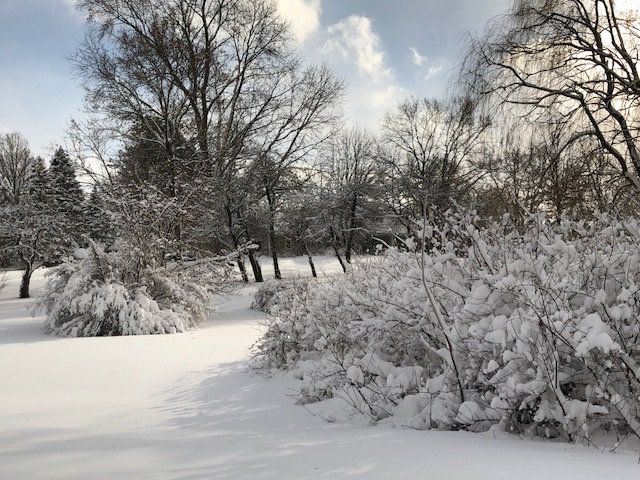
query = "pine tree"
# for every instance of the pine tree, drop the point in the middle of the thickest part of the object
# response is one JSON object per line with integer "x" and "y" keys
{"x": 67, "y": 199}
{"x": 33, "y": 232}
{"x": 97, "y": 222}
{"x": 67, "y": 193}
{"x": 39, "y": 190}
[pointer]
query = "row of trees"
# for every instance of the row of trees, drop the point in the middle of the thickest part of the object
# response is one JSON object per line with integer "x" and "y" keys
{"x": 44, "y": 211}
{"x": 210, "y": 132}
{"x": 212, "y": 109}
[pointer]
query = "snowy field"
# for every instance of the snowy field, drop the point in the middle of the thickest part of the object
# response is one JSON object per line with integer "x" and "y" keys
{"x": 185, "y": 407}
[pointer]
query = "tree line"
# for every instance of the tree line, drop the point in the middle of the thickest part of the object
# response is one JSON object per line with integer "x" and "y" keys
{"x": 210, "y": 133}
{"x": 44, "y": 210}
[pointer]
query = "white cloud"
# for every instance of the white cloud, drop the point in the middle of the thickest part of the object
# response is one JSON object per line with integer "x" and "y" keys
{"x": 353, "y": 38}
{"x": 354, "y": 49}
{"x": 386, "y": 96}
{"x": 430, "y": 69}
{"x": 418, "y": 59}
{"x": 433, "y": 71}
{"x": 302, "y": 15}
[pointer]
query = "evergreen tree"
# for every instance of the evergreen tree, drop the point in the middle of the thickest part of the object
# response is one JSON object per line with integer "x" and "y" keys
{"x": 39, "y": 190}
{"x": 67, "y": 200}
{"x": 98, "y": 224}
{"x": 33, "y": 232}
{"x": 67, "y": 194}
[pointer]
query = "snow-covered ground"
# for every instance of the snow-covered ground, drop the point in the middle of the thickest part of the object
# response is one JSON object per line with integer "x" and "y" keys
{"x": 185, "y": 407}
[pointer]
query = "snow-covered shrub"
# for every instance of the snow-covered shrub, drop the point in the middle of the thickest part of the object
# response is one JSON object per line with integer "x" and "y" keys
{"x": 278, "y": 293}
{"x": 537, "y": 330}
{"x": 101, "y": 293}
{"x": 279, "y": 345}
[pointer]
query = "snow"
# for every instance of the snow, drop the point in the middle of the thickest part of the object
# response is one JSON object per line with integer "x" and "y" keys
{"x": 185, "y": 406}
{"x": 598, "y": 336}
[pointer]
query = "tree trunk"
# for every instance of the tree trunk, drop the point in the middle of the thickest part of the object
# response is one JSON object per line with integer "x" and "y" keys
{"x": 274, "y": 253}
{"x": 310, "y": 258}
{"x": 342, "y": 264}
{"x": 255, "y": 266}
{"x": 347, "y": 252}
{"x": 272, "y": 234}
{"x": 243, "y": 270}
{"x": 236, "y": 242}
{"x": 352, "y": 228}
{"x": 332, "y": 232}
{"x": 26, "y": 281}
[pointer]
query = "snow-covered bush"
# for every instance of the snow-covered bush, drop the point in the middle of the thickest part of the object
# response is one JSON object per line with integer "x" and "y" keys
{"x": 537, "y": 330}
{"x": 281, "y": 299}
{"x": 104, "y": 293}
{"x": 278, "y": 294}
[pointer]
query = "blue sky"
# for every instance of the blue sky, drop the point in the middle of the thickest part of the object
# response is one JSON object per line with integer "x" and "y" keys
{"x": 384, "y": 49}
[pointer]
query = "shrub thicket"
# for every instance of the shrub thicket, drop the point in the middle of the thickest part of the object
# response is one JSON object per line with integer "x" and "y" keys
{"x": 536, "y": 330}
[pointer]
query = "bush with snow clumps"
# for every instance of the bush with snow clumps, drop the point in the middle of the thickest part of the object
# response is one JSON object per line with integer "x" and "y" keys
{"x": 536, "y": 330}
{"x": 100, "y": 294}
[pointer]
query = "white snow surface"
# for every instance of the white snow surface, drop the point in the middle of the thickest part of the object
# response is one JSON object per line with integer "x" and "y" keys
{"x": 185, "y": 406}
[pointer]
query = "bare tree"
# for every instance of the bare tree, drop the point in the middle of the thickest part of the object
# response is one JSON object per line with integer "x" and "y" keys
{"x": 429, "y": 155}
{"x": 579, "y": 56}
{"x": 15, "y": 166}
{"x": 218, "y": 77}
{"x": 301, "y": 122}
{"x": 351, "y": 172}
{"x": 301, "y": 222}
{"x": 533, "y": 168}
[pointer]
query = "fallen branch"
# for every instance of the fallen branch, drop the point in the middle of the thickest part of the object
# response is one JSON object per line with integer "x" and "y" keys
{"x": 178, "y": 266}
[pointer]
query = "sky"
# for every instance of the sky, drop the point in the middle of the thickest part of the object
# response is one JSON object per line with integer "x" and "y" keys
{"x": 385, "y": 50}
